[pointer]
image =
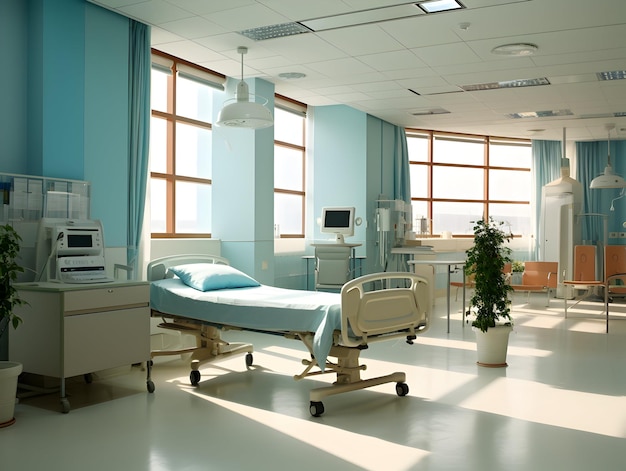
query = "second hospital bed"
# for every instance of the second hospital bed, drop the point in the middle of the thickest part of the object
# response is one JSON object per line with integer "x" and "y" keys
{"x": 201, "y": 295}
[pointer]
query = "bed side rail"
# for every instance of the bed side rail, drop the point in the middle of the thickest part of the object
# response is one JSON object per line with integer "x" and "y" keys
{"x": 383, "y": 305}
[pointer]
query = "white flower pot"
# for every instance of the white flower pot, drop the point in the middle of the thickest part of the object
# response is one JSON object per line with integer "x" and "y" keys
{"x": 9, "y": 371}
{"x": 491, "y": 346}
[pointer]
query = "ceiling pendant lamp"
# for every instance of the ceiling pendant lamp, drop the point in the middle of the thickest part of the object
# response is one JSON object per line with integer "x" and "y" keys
{"x": 608, "y": 179}
{"x": 240, "y": 112}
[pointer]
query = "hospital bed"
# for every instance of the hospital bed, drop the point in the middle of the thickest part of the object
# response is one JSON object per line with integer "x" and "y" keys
{"x": 190, "y": 298}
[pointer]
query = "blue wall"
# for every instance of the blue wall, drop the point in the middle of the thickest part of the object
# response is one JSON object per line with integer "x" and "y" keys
{"x": 66, "y": 115}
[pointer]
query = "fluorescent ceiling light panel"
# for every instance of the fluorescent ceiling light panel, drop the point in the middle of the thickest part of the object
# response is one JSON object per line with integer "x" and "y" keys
{"x": 435, "y": 6}
{"x": 540, "y": 114}
{"x": 375, "y": 15}
{"x": 274, "y": 31}
{"x": 613, "y": 75}
{"x": 429, "y": 112}
{"x": 506, "y": 84}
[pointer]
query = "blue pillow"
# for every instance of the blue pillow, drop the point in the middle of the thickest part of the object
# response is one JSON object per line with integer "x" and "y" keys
{"x": 210, "y": 276}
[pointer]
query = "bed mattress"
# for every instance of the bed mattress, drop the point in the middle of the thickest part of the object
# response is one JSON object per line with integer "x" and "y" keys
{"x": 264, "y": 308}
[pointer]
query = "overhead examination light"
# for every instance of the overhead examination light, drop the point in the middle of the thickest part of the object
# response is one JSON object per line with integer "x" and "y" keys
{"x": 240, "y": 112}
{"x": 608, "y": 179}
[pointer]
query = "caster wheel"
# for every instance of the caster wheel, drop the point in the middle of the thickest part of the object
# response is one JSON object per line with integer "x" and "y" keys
{"x": 249, "y": 360}
{"x": 316, "y": 409}
{"x": 65, "y": 405}
{"x": 150, "y": 386}
{"x": 402, "y": 389}
{"x": 194, "y": 377}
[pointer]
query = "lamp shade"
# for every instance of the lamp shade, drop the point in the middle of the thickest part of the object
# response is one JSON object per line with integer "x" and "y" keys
{"x": 240, "y": 112}
{"x": 607, "y": 180}
{"x": 245, "y": 114}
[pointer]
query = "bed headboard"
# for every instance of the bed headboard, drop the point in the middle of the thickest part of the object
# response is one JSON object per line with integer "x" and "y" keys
{"x": 157, "y": 269}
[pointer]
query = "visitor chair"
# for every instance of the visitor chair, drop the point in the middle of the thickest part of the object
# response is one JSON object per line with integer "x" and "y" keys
{"x": 584, "y": 277}
{"x": 332, "y": 267}
{"x": 538, "y": 277}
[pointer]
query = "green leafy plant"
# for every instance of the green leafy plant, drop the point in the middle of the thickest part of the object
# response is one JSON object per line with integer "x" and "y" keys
{"x": 485, "y": 262}
{"x": 9, "y": 269}
{"x": 517, "y": 266}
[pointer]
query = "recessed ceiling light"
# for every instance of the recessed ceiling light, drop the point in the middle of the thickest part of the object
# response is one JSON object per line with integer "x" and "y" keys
{"x": 291, "y": 75}
{"x": 517, "y": 49}
{"x": 274, "y": 31}
{"x": 539, "y": 114}
{"x": 613, "y": 75}
{"x": 506, "y": 84}
{"x": 435, "y": 6}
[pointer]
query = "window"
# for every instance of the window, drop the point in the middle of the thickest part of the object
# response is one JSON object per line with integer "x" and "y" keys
{"x": 456, "y": 179}
{"x": 180, "y": 147}
{"x": 289, "y": 165}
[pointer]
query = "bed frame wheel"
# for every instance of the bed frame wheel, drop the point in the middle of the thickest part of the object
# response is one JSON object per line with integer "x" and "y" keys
{"x": 150, "y": 386}
{"x": 402, "y": 389}
{"x": 316, "y": 408}
{"x": 194, "y": 377}
{"x": 249, "y": 360}
{"x": 65, "y": 405}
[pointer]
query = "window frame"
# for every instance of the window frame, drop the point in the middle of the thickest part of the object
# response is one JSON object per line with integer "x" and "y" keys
{"x": 430, "y": 164}
{"x": 300, "y": 109}
{"x": 176, "y": 65}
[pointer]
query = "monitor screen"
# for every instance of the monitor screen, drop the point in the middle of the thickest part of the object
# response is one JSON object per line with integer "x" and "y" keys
{"x": 338, "y": 221}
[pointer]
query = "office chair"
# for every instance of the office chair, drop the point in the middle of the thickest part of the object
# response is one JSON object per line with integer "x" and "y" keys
{"x": 332, "y": 266}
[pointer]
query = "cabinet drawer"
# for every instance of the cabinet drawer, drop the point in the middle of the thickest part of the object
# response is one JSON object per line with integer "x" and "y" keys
{"x": 105, "y": 298}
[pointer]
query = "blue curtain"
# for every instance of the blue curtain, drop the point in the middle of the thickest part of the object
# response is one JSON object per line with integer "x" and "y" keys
{"x": 546, "y": 167}
{"x": 139, "y": 119}
{"x": 590, "y": 162}
{"x": 402, "y": 177}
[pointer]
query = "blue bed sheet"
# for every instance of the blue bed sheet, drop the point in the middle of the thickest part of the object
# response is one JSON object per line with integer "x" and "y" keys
{"x": 264, "y": 308}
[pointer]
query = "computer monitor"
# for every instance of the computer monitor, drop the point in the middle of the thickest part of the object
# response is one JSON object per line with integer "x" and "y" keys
{"x": 338, "y": 221}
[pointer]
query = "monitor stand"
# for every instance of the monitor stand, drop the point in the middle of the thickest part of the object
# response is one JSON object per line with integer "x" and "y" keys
{"x": 339, "y": 239}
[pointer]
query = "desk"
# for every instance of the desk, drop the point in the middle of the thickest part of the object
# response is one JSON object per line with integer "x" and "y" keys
{"x": 76, "y": 329}
{"x": 453, "y": 267}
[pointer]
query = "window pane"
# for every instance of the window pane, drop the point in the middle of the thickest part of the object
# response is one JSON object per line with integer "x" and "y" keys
{"x": 288, "y": 213}
{"x": 288, "y": 127}
{"x": 501, "y": 155}
{"x": 463, "y": 152}
{"x": 158, "y": 90}
{"x": 418, "y": 148}
{"x": 515, "y": 216}
{"x": 509, "y": 185}
{"x": 419, "y": 180}
{"x": 193, "y": 151}
{"x": 158, "y": 145}
{"x": 288, "y": 172}
{"x": 193, "y": 208}
{"x": 420, "y": 211}
{"x": 158, "y": 203}
{"x": 456, "y": 217}
{"x": 458, "y": 183}
{"x": 193, "y": 100}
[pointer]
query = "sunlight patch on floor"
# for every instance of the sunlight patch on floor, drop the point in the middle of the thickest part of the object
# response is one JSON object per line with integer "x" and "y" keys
{"x": 540, "y": 403}
{"x": 366, "y": 452}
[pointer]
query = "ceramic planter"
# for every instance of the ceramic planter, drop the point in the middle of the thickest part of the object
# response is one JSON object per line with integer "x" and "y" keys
{"x": 9, "y": 371}
{"x": 491, "y": 346}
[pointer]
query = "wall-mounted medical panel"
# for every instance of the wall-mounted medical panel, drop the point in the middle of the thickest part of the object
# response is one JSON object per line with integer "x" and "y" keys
{"x": 29, "y": 198}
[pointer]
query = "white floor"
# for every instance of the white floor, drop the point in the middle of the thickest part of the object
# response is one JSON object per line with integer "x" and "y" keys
{"x": 559, "y": 405}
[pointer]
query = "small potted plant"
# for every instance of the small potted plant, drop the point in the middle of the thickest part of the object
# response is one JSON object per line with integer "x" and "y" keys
{"x": 9, "y": 299}
{"x": 490, "y": 302}
{"x": 517, "y": 268}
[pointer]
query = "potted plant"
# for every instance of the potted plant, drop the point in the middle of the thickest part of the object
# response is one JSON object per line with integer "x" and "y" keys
{"x": 490, "y": 302}
{"x": 9, "y": 299}
{"x": 517, "y": 268}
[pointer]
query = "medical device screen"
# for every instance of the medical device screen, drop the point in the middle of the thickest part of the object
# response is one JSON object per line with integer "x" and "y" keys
{"x": 338, "y": 221}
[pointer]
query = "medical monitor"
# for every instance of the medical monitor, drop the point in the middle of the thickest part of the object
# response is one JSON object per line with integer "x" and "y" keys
{"x": 338, "y": 221}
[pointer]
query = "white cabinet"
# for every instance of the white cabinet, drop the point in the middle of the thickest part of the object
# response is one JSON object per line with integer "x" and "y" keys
{"x": 71, "y": 330}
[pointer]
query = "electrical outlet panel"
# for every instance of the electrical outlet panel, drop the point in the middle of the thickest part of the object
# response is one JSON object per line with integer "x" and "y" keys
{"x": 622, "y": 235}
{"x": 613, "y": 235}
